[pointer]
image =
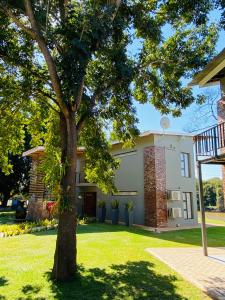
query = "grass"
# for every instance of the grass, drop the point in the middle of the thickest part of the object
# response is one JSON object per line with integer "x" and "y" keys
{"x": 7, "y": 217}
{"x": 213, "y": 218}
{"x": 113, "y": 264}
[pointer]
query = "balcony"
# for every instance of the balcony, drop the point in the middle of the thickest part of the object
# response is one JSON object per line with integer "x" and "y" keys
{"x": 81, "y": 180}
{"x": 210, "y": 145}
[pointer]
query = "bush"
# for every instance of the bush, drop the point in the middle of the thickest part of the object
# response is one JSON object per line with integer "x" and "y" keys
{"x": 26, "y": 227}
{"x": 129, "y": 206}
{"x": 115, "y": 204}
{"x": 86, "y": 220}
{"x": 101, "y": 204}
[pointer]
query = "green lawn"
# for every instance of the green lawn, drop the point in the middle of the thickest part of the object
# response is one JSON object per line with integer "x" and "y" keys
{"x": 213, "y": 218}
{"x": 113, "y": 264}
{"x": 7, "y": 217}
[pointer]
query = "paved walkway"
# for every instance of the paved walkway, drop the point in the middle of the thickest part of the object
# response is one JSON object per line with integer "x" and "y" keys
{"x": 208, "y": 273}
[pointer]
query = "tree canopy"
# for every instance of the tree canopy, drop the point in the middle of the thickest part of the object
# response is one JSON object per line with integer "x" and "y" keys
{"x": 95, "y": 71}
{"x": 71, "y": 71}
{"x": 213, "y": 193}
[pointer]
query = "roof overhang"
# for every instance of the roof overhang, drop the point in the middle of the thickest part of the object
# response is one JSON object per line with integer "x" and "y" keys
{"x": 41, "y": 149}
{"x": 212, "y": 73}
{"x": 34, "y": 151}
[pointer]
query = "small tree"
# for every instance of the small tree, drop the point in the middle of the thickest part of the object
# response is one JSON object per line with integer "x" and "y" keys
{"x": 68, "y": 71}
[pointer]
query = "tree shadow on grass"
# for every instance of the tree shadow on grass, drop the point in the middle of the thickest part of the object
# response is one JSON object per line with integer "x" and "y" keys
{"x": 31, "y": 292}
{"x": 133, "y": 280}
{"x": 3, "y": 281}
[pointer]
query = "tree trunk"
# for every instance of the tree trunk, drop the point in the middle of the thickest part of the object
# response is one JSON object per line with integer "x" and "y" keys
{"x": 65, "y": 253}
{"x": 6, "y": 196}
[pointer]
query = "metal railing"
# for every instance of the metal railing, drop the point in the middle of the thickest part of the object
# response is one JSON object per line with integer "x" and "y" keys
{"x": 211, "y": 141}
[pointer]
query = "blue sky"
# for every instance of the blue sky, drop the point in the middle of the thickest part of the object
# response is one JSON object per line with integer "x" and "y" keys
{"x": 149, "y": 117}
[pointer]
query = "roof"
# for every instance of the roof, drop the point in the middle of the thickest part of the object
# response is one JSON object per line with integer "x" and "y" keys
{"x": 41, "y": 149}
{"x": 212, "y": 73}
{"x": 36, "y": 150}
{"x": 158, "y": 132}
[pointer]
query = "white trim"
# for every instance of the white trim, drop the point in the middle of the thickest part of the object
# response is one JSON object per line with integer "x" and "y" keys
{"x": 210, "y": 75}
{"x": 34, "y": 150}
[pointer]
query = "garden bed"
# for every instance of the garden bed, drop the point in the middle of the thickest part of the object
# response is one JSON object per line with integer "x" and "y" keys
{"x": 27, "y": 227}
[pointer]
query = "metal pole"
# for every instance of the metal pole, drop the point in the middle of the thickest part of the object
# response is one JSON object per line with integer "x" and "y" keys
{"x": 202, "y": 209}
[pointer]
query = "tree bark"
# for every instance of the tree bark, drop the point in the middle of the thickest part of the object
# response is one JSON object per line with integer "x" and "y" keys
{"x": 65, "y": 254}
{"x": 6, "y": 196}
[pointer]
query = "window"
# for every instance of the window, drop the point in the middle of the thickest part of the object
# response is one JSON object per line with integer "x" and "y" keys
{"x": 126, "y": 193}
{"x": 125, "y": 154}
{"x": 185, "y": 165}
{"x": 187, "y": 203}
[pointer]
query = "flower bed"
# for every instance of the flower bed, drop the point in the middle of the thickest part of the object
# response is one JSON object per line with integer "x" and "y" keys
{"x": 27, "y": 227}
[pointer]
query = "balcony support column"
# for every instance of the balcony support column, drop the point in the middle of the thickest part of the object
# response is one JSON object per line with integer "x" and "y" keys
{"x": 202, "y": 209}
{"x": 222, "y": 86}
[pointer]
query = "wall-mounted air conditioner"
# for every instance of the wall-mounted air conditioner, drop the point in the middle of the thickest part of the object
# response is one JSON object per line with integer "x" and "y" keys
{"x": 175, "y": 213}
{"x": 174, "y": 195}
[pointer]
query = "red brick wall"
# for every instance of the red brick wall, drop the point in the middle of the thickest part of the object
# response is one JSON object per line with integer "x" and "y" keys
{"x": 36, "y": 187}
{"x": 36, "y": 206}
{"x": 155, "y": 199}
{"x": 37, "y": 210}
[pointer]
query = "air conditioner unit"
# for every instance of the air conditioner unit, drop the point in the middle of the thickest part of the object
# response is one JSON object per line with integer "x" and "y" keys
{"x": 175, "y": 213}
{"x": 174, "y": 195}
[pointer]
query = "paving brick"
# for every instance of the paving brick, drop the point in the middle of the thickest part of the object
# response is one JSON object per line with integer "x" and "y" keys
{"x": 207, "y": 273}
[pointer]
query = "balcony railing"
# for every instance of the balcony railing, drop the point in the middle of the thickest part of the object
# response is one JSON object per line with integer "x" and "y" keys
{"x": 211, "y": 142}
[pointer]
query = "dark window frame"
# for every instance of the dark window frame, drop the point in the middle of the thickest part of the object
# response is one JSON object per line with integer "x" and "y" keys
{"x": 186, "y": 207}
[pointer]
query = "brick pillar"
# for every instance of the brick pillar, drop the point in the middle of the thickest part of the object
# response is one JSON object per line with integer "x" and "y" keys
{"x": 36, "y": 188}
{"x": 36, "y": 206}
{"x": 221, "y": 119}
{"x": 155, "y": 199}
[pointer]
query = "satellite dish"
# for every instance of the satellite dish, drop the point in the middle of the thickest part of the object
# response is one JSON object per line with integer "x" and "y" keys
{"x": 164, "y": 123}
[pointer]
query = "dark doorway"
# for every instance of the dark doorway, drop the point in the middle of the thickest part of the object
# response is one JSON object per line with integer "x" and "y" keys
{"x": 90, "y": 204}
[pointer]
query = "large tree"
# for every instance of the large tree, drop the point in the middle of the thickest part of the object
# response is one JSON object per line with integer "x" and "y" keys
{"x": 71, "y": 69}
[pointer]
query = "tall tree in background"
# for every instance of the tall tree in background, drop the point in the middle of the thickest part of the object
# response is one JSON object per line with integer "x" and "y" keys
{"x": 17, "y": 181}
{"x": 74, "y": 68}
{"x": 213, "y": 193}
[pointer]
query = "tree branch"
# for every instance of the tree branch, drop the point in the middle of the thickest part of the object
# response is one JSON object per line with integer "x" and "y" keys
{"x": 88, "y": 113}
{"x": 75, "y": 107}
{"x": 48, "y": 58}
{"x": 47, "y": 96}
{"x": 8, "y": 12}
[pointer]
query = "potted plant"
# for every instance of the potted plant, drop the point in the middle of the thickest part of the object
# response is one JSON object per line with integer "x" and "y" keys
{"x": 128, "y": 213}
{"x": 102, "y": 211}
{"x": 115, "y": 211}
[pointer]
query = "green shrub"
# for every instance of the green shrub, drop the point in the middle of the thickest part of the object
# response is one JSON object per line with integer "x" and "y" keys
{"x": 101, "y": 203}
{"x": 26, "y": 227}
{"x": 115, "y": 204}
{"x": 86, "y": 220}
{"x": 129, "y": 206}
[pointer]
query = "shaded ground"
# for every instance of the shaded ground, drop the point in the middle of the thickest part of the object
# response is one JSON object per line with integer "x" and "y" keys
{"x": 113, "y": 265}
{"x": 7, "y": 217}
